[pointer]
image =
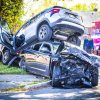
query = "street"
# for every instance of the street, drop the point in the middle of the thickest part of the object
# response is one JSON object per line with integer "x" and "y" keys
{"x": 50, "y": 93}
{"x": 55, "y": 94}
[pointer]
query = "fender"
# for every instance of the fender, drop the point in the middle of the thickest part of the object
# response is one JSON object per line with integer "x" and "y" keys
{"x": 45, "y": 20}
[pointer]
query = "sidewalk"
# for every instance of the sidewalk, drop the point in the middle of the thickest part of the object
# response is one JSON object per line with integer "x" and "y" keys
{"x": 13, "y": 81}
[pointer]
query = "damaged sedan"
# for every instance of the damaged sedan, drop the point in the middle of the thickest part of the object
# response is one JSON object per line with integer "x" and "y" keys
{"x": 64, "y": 63}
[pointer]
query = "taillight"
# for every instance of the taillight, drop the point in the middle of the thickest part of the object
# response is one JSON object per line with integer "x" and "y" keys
{"x": 55, "y": 10}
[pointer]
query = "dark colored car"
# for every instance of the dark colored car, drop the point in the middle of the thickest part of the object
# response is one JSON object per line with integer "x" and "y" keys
{"x": 53, "y": 23}
{"x": 63, "y": 63}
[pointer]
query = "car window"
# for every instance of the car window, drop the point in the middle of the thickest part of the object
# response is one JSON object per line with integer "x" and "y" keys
{"x": 55, "y": 47}
{"x": 22, "y": 29}
{"x": 47, "y": 46}
{"x": 4, "y": 25}
{"x": 36, "y": 47}
{"x": 36, "y": 17}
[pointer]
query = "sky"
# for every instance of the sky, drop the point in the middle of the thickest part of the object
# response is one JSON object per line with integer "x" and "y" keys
{"x": 29, "y": 5}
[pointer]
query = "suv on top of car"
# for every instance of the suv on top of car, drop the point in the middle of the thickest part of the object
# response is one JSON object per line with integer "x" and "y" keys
{"x": 53, "y": 23}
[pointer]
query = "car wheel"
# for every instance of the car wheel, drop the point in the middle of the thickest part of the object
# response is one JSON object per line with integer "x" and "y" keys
{"x": 6, "y": 57}
{"x": 44, "y": 32}
{"x": 22, "y": 64}
{"x": 74, "y": 40}
{"x": 94, "y": 74}
{"x": 55, "y": 76}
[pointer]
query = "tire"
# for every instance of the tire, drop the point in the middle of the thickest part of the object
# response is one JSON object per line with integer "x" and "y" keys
{"x": 74, "y": 40}
{"x": 55, "y": 76}
{"x": 44, "y": 32}
{"x": 94, "y": 76}
{"x": 6, "y": 57}
{"x": 22, "y": 64}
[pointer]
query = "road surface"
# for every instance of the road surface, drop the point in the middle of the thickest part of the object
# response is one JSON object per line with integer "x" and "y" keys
{"x": 50, "y": 93}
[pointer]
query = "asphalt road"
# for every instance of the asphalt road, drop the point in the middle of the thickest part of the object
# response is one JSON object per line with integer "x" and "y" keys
{"x": 49, "y": 93}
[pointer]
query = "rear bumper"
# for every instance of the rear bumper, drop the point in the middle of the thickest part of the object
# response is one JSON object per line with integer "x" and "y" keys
{"x": 63, "y": 26}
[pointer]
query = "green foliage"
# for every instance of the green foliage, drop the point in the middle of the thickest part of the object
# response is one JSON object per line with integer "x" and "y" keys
{"x": 84, "y": 7}
{"x": 93, "y": 6}
{"x": 11, "y": 70}
{"x": 11, "y": 10}
{"x": 79, "y": 7}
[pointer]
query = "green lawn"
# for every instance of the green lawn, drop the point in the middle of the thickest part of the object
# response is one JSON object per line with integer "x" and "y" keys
{"x": 11, "y": 70}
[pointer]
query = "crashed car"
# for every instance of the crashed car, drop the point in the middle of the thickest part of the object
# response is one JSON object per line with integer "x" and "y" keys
{"x": 64, "y": 63}
{"x": 53, "y": 23}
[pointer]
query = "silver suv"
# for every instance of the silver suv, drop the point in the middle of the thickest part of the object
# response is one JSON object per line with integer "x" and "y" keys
{"x": 53, "y": 23}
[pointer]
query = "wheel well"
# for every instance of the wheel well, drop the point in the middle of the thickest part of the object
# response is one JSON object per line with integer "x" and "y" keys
{"x": 44, "y": 22}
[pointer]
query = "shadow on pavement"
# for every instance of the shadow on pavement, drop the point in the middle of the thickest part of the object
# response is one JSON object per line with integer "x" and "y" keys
{"x": 54, "y": 93}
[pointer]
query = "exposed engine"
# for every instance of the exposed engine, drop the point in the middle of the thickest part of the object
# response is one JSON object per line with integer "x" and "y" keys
{"x": 75, "y": 72}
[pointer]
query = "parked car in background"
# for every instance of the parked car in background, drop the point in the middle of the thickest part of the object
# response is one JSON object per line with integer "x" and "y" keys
{"x": 62, "y": 62}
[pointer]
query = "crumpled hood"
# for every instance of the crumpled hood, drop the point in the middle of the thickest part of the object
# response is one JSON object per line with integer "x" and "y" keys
{"x": 95, "y": 59}
{"x": 78, "y": 52}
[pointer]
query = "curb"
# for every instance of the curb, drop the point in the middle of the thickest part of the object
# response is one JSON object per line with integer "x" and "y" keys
{"x": 32, "y": 87}
{"x": 35, "y": 86}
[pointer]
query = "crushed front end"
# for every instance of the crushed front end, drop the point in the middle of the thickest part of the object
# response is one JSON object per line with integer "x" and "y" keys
{"x": 77, "y": 69}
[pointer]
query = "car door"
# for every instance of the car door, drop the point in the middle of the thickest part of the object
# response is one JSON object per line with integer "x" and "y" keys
{"x": 37, "y": 60}
{"x": 5, "y": 34}
{"x": 30, "y": 55}
{"x": 44, "y": 57}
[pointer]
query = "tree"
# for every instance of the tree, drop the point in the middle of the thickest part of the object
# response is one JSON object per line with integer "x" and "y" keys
{"x": 84, "y": 7}
{"x": 11, "y": 10}
{"x": 93, "y": 6}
